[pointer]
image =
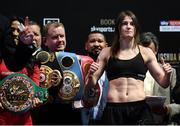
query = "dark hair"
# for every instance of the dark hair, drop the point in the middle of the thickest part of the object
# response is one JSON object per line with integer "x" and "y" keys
{"x": 115, "y": 45}
{"x": 33, "y": 23}
{"x": 97, "y": 31}
{"x": 147, "y": 38}
{"x": 12, "y": 19}
{"x": 16, "y": 18}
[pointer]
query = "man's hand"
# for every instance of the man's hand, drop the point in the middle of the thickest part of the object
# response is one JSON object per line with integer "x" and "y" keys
{"x": 26, "y": 36}
{"x": 37, "y": 102}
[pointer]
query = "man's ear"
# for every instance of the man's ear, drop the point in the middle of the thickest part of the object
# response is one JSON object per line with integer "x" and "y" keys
{"x": 106, "y": 44}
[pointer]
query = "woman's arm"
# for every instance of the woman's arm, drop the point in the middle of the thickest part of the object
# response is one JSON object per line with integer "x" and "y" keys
{"x": 97, "y": 68}
{"x": 160, "y": 74}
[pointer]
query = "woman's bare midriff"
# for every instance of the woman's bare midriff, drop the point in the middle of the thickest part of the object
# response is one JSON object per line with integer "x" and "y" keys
{"x": 125, "y": 90}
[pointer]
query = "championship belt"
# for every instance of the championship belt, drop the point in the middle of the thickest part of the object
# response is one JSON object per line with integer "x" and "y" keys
{"x": 17, "y": 92}
{"x": 73, "y": 83}
{"x": 49, "y": 76}
{"x": 91, "y": 94}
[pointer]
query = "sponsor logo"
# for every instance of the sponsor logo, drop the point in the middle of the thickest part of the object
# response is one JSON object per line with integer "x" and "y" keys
{"x": 102, "y": 29}
{"x": 49, "y": 20}
{"x": 164, "y": 23}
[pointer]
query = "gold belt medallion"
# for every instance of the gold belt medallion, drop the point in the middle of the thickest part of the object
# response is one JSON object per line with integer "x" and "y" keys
{"x": 70, "y": 87}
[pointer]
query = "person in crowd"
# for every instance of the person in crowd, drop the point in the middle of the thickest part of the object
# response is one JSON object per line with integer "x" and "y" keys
{"x": 96, "y": 41}
{"x": 176, "y": 90}
{"x": 9, "y": 48}
{"x": 54, "y": 41}
{"x": 14, "y": 27}
{"x": 175, "y": 95}
{"x": 152, "y": 88}
{"x": 15, "y": 59}
{"x": 126, "y": 63}
{"x": 37, "y": 38}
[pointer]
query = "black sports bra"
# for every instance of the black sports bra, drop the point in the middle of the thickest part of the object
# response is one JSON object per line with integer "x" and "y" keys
{"x": 134, "y": 68}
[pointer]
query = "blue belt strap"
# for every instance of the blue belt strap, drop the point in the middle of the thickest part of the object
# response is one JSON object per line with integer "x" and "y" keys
{"x": 75, "y": 68}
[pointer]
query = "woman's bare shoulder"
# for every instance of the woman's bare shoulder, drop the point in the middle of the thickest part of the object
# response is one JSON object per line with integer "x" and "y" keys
{"x": 145, "y": 50}
{"x": 146, "y": 53}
